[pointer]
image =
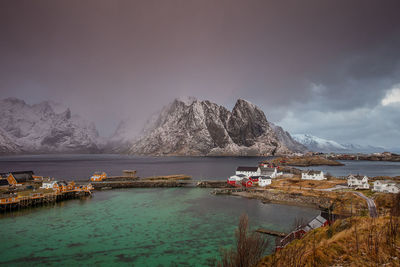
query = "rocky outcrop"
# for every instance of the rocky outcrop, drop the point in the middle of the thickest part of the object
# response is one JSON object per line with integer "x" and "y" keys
{"x": 201, "y": 128}
{"x": 279, "y": 197}
{"x": 286, "y": 138}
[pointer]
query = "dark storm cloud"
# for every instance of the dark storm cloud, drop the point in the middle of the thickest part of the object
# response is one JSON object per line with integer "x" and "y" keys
{"x": 114, "y": 59}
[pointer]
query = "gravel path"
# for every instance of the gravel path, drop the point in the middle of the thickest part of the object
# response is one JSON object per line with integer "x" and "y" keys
{"x": 371, "y": 204}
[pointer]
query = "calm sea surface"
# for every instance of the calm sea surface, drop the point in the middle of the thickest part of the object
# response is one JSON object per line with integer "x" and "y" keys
{"x": 140, "y": 227}
{"x": 81, "y": 167}
{"x": 369, "y": 168}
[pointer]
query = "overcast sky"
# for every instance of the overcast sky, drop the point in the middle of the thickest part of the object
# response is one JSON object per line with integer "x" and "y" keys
{"x": 328, "y": 68}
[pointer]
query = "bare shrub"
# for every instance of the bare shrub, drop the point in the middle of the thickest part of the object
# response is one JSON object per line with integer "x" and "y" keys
{"x": 250, "y": 247}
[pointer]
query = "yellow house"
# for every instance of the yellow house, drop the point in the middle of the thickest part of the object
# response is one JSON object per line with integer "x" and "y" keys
{"x": 98, "y": 176}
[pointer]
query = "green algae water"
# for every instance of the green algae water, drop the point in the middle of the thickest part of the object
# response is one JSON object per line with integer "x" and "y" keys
{"x": 136, "y": 227}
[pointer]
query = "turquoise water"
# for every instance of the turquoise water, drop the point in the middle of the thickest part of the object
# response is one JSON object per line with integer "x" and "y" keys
{"x": 140, "y": 227}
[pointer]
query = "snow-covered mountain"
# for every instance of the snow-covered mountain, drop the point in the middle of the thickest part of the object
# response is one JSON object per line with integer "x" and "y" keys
{"x": 318, "y": 144}
{"x": 46, "y": 127}
{"x": 194, "y": 127}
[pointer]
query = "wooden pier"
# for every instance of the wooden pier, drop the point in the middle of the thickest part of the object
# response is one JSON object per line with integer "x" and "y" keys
{"x": 271, "y": 232}
{"x": 39, "y": 199}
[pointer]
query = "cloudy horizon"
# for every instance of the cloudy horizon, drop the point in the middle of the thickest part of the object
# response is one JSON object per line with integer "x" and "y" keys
{"x": 326, "y": 68}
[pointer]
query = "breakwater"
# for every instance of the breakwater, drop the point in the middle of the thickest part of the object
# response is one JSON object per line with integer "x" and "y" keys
{"x": 140, "y": 184}
{"x": 213, "y": 184}
{"x": 150, "y": 183}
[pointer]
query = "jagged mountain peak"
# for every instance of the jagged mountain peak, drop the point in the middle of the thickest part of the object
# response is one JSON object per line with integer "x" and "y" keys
{"x": 205, "y": 128}
{"x": 187, "y": 100}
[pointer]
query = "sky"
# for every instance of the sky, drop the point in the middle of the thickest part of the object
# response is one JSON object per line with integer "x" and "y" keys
{"x": 327, "y": 68}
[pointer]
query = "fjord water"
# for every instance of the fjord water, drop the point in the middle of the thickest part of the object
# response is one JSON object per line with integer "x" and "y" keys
{"x": 81, "y": 167}
{"x": 140, "y": 227}
{"x": 362, "y": 167}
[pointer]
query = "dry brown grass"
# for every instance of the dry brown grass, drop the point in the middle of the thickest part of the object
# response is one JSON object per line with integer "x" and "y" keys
{"x": 356, "y": 241}
{"x": 297, "y": 182}
{"x": 344, "y": 202}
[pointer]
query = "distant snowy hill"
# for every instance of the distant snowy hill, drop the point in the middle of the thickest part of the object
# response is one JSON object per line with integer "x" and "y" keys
{"x": 318, "y": 144}
{"x": 46, "y": 127}
{"x": 193, "y": 127}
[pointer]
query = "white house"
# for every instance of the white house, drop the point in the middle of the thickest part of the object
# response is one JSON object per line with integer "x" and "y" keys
{"x": 238, "y": 177}
{"x": 357, "y": 182}
{"x": 273, "y": 173}
{"x": 386, "y": 186}
{"x": 313, "y": 175}
{"x": 48, "y": 185}
{"x": 264, "y": 181}
{"x": 248, "y": 171}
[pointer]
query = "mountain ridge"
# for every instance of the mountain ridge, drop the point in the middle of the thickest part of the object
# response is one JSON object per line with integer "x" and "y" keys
{"x": 46, "y": 127}
{"x": 317, "y": 144}
{"x": 203, "y": 128}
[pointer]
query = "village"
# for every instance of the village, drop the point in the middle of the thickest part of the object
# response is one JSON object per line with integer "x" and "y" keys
{"x": 265, "y": 173}
{"x": 346, "y": 196}
{"x": 270, "y": 182}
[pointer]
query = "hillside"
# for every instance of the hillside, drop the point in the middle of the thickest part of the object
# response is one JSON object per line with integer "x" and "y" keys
{"x": 355, "y": 241}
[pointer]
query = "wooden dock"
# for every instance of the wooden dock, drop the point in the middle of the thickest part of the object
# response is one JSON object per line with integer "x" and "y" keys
{"x": 39, "y": 199}
{"x": 271, "y": 232}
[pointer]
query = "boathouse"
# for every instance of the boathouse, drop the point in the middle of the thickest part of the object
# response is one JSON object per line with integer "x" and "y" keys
{"x": 247, "y": 182}
{"x": 248, "y": 171}
{"x": 99, "y": 176}
{"x": 300, "y": 231}
{"x": 18, "y": 177}
{"x": 236, "y": 179}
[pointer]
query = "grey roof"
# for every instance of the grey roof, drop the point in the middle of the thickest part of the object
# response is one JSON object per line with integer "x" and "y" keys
{"x": 356, "y": 176}
{"x": 317, "y": 222}
{"x": 386, "y": 181}
{"x": 20, "y": 176}
{"x": 246, "y": 169}
{"x": 313, "y": 172}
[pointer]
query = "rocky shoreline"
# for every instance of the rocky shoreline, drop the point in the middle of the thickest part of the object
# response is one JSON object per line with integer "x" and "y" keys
{"x": 280, "y": 197}
{"x": 304, "y": 161}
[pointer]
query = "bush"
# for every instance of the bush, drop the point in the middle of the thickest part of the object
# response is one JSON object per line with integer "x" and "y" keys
{"x": 250, "y": 248}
